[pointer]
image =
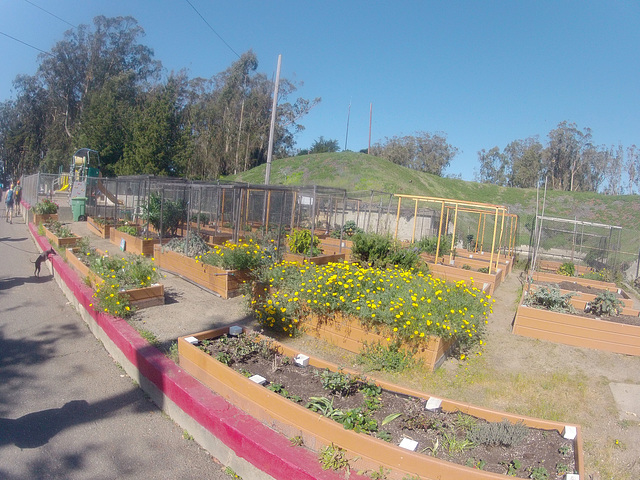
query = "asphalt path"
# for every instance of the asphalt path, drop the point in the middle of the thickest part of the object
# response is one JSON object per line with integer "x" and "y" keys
{"x": 67, "y": 410}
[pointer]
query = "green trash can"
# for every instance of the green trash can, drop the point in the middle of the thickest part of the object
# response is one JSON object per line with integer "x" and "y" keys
{"x": 78, "y": 205}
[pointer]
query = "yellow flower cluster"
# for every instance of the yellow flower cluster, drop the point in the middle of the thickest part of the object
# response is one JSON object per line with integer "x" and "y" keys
{"x": 235, "y": 256}
{"x": 410, "y": 304}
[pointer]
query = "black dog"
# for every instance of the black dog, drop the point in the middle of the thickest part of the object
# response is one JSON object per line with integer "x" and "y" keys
{"x": 41, "y": 258}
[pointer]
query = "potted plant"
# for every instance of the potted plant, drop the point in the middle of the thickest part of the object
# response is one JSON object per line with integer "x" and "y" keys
{"x": 44, "y": 211}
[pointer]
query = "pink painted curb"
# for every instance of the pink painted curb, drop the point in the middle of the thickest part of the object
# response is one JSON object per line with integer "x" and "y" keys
{"x": 248, "y": 438}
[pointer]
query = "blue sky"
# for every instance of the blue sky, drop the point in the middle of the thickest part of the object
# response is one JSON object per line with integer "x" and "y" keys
{"x": 483, "y": 73}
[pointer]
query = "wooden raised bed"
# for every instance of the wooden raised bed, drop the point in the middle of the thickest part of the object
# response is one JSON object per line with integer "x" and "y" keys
{"x": 580, "y": 299}
{"x": 555, "y": 278}
{"x": 319, "y": 260}
{"x": 39, "y": 218}
{"x": 487, "y": 282}
{"x": 150, "y": 296}
{"x": 349, "y": 333}
{"x": 318, "y": 431}
{"x": 332, "y": 246}
{"x": 102, "y": 230}
{"x": 577, "y": 330}
{"x": 61, "y": 242}
{"x": 552, "y": 266}
{"x": 137, "y": 245}
{"x": 226, "y": 283}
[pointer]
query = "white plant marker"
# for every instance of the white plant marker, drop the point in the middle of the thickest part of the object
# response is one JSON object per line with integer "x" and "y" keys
{"x": 570, "y": 432}
{"x": 258, "y": 379}
{"x": 409, "y": 444}
{"x": 235, "y": 330}
{"x": 433, "y": 403}
{"x": 301, "y": 360}
{"x": 191, "y": 340}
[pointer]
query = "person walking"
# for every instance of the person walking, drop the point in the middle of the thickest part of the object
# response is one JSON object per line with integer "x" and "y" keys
{"x": 17, "y": 197}
{"x": 8, "y": 201}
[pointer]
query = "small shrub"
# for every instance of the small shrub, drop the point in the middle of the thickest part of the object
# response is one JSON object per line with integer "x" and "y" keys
{"x": 302, "y": 243}
{"x": 45, "y": 207}
{"x": 338, "y": 383}
{"x": 429, "y": 245}
{"x": 483, "y": 270}
{"x": 195, "y": 246}
{"x": 59, "y": 230}
{"x": 348, "y": 230}
{"x": 333, "y": 458}
{"x": 568, "y": 269}
{"x": 503, "y": 433}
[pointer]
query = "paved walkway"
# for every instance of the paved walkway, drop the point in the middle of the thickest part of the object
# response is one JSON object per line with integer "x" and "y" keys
{"x": 66, "y": 409}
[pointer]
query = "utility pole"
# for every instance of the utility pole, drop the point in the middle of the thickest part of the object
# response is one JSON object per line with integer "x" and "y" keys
{"x": 370, "y": 116}
{"x": 273, "y": 122}
{"x": 346, "y": 138}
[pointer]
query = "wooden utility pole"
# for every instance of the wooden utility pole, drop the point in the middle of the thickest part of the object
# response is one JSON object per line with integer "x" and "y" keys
{"x": 370, "y": 116}
{"x": 274, "y": 107}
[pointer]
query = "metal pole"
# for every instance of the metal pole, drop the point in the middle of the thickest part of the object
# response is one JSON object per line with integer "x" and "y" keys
{"x": 274, "y": 107}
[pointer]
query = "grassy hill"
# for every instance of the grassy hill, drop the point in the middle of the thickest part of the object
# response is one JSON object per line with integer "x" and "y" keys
{"x": 358, "y": 172}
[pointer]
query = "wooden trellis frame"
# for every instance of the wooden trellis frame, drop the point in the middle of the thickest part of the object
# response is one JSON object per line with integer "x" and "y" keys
{"x": 498, "y": 212}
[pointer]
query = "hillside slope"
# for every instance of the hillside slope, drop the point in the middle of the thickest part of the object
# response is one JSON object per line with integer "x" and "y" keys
{"x": 358, "y": 171}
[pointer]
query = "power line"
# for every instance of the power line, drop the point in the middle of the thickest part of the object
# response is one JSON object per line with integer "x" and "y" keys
{"x": 24, "y": 43}
{"x": 53, "y": 15}
{"x": 205, "y": 21}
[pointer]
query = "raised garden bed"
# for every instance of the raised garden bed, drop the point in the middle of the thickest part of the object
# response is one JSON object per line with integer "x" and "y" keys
{"x": 544, "y": 277}
{"x": 319, "y": 260}
{"x": 61, "y": 242}
{"x": 349, "y": 333}
{"x": 365, "y": 451}
{"x": 553, "y": 266}
{"x": 331, "y": 246}
{"x": 39, "y": 218}
{"x": 226, "y": 283}
{"x": 585, "y": 293}
{"x": 101, "y": 227}
{"x": 129, "y": 243}
{"x": 605, "y": 333}
{"x": 488, "y": 282}
{"x": 150, "y": 296}
{"x": 504, "y": 262}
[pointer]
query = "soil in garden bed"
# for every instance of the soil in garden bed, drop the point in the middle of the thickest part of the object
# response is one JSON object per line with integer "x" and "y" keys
{"x": 576, "y": 287}
{"x": 454, "y": 437}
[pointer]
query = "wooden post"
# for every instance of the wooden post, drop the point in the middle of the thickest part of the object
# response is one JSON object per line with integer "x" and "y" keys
{"x": 493, "y": 241}
{"x": 395, "y": 235}
{"x": 453, "y": 237}
{"x": 439, "y": 231}
{"x": 415, "y": 219}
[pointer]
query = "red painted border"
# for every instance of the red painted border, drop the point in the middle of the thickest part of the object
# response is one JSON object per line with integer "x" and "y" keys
{"x": 247, "y": 437}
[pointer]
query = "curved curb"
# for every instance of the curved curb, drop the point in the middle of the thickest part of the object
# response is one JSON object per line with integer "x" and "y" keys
{"x": 229, "y": 434}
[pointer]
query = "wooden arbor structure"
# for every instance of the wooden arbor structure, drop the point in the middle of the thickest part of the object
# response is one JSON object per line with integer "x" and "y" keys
{"x": 499, "y": 240}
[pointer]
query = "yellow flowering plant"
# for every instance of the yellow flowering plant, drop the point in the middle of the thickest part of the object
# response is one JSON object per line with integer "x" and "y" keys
{"x": 237, "y": 256}
{"x": 410, "y": 304}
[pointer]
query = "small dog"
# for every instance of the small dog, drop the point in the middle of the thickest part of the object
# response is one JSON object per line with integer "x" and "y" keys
{"x": 41, "y": 258}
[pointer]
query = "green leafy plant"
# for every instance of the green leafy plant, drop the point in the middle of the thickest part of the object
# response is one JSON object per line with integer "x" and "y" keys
{"x": 387, "y": 358}
{"x": 334, "y": 458}
{"x": 538, "y": 473}
{"x": 165, "y": 214}
{"x": 280, "y": 390}
{"x": 338, "y": 383}
{"x": 302, "y": 243}
{"x": 45, "y": 207}
{"x": 325, "y": 407}
{"x": 430, "y": 245}
{"x": 128, "y": 229}
{"x": 483, "y": 270}
{"x": 296, "y": 441}
{"x": 564, "y": 450}
{"x": 348, "y": 230}
{"x": 358, "y": 420}
{"x": 550, "y": 298}
{"x": 59, "y": 230}
{"x": 606, "y": 304}
{"x": 512, "y": 467}
{"x": 453, "y": 444}
{"x": 568, "y": 269}
{"x": 562, "y": 469}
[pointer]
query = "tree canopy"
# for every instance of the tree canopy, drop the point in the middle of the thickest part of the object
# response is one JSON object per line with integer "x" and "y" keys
{"x": 100, "y": 87}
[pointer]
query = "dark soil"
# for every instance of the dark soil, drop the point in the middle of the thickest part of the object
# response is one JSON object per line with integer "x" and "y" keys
{"x": 441, "y": 434}
{"x": 576, "y": 287}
